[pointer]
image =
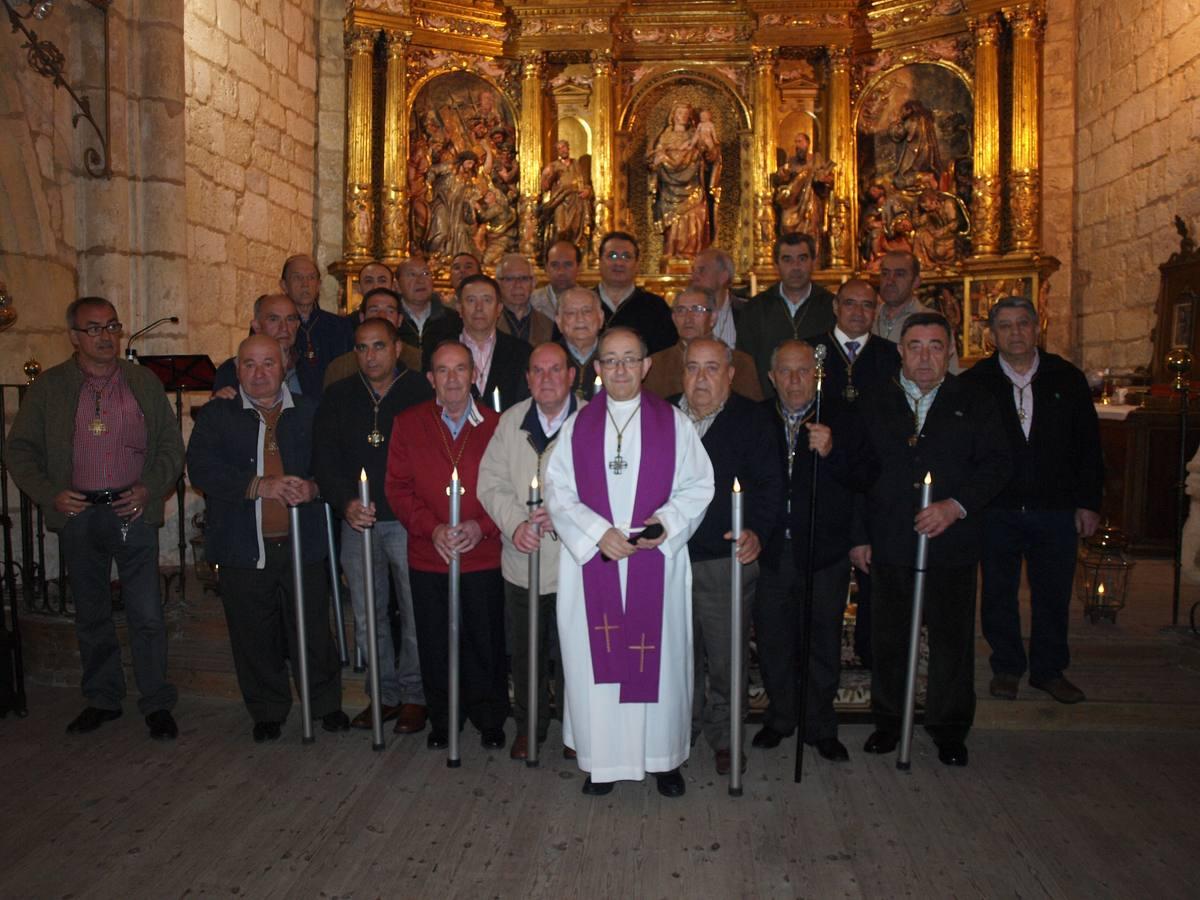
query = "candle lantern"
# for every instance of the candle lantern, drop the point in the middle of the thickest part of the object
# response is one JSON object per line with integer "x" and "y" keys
{"x": 1102, "y": 582}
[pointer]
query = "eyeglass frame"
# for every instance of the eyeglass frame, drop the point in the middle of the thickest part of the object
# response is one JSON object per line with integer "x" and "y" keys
{"x": 94, "y": 330}
{"x": 609, "y": 363}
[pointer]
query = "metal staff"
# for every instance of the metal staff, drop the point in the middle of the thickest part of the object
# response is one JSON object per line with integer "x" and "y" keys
{"x": 806, "y": 646}
{"x": 737, "y": 689}
{"x": 301, "y": 627}
{"x": 454, "y": 607}
{"x": 914, "y": 635}
{"x": 336, "y": 580}
{"x": 364, "y": 496}
{"x": 1179, "y": 361}
{"x": 535, "y": 591}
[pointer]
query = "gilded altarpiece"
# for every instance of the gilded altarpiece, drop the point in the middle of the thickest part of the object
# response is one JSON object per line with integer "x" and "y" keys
{"x": 491, "y": 127}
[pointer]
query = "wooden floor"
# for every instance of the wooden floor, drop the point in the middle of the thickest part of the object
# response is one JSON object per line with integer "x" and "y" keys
{"x": 1037, "y": 814}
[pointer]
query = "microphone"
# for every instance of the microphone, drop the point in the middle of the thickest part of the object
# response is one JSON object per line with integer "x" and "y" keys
{"x": 130, "y": 353}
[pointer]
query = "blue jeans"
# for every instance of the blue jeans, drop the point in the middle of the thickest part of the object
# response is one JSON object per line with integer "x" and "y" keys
{"x": 399, "y": 679}
{"x": 1046, "y": 539}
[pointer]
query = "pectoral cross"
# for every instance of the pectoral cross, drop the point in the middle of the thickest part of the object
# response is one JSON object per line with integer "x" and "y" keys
{"x": 606, "y": 628}
{"x": 643, "y": 647}
{"x": 617, "y": 464}
{"x": 97, "y": 427}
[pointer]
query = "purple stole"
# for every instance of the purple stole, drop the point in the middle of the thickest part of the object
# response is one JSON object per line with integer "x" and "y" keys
{"x": 626, "y": 642}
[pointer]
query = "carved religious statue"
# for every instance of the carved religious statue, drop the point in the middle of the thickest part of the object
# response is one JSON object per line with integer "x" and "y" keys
{"x": 917, "y": 152}
{"x": 685, "y": 166}
{"x": 799, "y": 189}
{"x": 566, "y": 205}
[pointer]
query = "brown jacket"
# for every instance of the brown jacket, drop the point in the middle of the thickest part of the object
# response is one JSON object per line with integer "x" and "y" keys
{"x": 541, "y": 329}
{"x": 666, "y": 374}
{"x": 347, "y": 364}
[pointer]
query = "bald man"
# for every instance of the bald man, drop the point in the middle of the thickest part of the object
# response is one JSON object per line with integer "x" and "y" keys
{"x": 517, "y": 316}
{"x": 580, "y": 319}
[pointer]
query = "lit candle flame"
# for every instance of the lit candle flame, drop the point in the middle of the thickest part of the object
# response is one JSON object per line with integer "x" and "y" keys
{"x": 533, "y": 485}
{"x": 362, "y": 476}
{"x": 454, "y": 474}
{"x": 737, "y": 486}
{"x": 1100, "y": 590}
{"x": 597, "y": 382}
{"x": 929, "y": 478}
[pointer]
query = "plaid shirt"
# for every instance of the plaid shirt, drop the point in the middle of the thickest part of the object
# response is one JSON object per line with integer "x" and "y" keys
{"x": 114, "y": 458}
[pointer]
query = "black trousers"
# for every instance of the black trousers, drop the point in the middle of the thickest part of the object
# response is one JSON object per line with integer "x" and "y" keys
{"x": 482, "y": 673}
{"x": 517, "y": 600}
{"x": 778, "y": 630}
{"x": 950, "y": 619}
{"x": 90, "y": 542}
{"x": 1046, "y": 539}
{"x": 260, "y": 609}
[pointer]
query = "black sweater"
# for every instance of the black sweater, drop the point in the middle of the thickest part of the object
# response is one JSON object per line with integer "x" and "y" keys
{"x": 1061, "y": 465}
{"x": 648, "y": 315}
{"x": 739, "y": 445}
{"x": 340, "y": 447}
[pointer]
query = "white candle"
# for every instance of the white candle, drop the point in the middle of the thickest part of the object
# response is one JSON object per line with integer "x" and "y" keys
{"x": 455, "y": 490}
{"x": 364, "y": 489}
{"x": 737, "y": 509}
{"x": 927, "y": 490}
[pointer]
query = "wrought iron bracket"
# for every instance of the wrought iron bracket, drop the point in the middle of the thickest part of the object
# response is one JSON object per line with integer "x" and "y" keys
{"x": 47, "y": 60}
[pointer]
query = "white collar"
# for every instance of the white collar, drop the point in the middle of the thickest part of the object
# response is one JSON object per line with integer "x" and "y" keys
{"x": 284, "y": 393}
{"x": 843, "y": 338}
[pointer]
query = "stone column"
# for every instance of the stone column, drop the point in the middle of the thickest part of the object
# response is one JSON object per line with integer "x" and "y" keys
{"x": 360, "y": 212}
{"x": 765, "y": 63}
{"x": 841, "y": 154}
{"x": 602, "y": 143}
{"x": 532, "y": 69}
{"x": 985, "y": 201}
{"x": 394, "y": 199}
{"x": 1024, "y": 178}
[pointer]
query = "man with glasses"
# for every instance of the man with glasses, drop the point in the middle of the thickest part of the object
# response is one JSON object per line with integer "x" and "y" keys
{"x": 580, "y": 321}
{"x": 712, "y": 270}
{"x": 623, "y": 302}
{"x": 96, "y": 445}
{"x": 562, "y": 268}
{"x": 517, "y": 316}
{"x": 627, "y": 485}
{"x": 322, "y": 336}
{"x": 427, "y": 321}
{"x": 694, "y": 312}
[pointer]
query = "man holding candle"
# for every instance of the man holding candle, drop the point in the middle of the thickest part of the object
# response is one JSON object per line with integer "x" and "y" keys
{"x": 250, "y": 457}
{"x": 1052, "y": 500}
{"x": 518, "y": 453}
{"x": 737, "y": 433}
{"x": 580, "y": 320}
{"x": 625, "y": 464}
{"x": 351, "y": 434}
{"x": 778, "y": 626}
{"x": 928, "y": 421}
{"x": 431, "y": 442}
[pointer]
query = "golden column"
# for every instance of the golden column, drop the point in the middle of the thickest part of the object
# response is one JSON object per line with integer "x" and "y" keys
{"x": 532, "y": 67}
{"x": 1024, "y": 179}
{"x": 602, "y": 143}
{"x": 765, "y": 62}
{"x": 359, "y": 225}
{"x": 394, "y": 192}
{"x": 985, "y": 198}
{"x": 841, "y": 153}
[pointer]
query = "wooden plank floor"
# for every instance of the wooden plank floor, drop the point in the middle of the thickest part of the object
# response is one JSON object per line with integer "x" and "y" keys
{"x": 1037, "y": 814}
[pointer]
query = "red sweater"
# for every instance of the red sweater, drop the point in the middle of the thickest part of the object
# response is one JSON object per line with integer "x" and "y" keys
{"x": 418, "y": 473}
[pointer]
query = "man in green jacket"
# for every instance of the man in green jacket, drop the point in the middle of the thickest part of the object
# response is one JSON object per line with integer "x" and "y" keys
{"x": 96, "y": 446}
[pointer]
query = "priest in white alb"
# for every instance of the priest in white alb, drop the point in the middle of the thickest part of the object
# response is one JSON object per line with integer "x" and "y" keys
{"x": 627, "y": 462}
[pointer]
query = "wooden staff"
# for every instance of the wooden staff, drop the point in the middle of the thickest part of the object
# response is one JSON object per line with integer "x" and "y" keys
{"x": 301, "y": 625}
{"x": 364, "y": 496}
{"x": 914, "y": 635}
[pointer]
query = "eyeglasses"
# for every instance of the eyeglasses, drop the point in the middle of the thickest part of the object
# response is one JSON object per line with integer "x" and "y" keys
{"x": 696, "y": 308}
{"x": 508, "y": 279}
{"x": 94, "y": 330}
{"x": 625, "y": 362}
{"x": 623, "y": 254}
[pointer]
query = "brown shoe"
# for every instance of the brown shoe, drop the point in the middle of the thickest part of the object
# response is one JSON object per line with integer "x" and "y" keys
{"x": 363, "y": 719}
{"x": 520, "y": 748}
{"x": 1004, "y": 686}
{"x": 568, "y": 753}
{"x": 411, "y": 719}
{"x": 725, "y": 762}
{"x": 1060, "y": 689}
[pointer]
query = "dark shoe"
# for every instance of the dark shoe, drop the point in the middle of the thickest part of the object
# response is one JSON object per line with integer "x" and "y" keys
{"x": 335, "y": 721}
{"x": 520, "y": 748}
{"x": 91, "y": 719}
{"x": 411, "y": 719}
{"x": 492, "y": 738}
{"x": 833, "y": 750}
{"x": 768, "y": 738}
{"x": 1004, "y": 686}
{"x": 568, "y": 753}
{"x": 670, "y": 784}
{"x": 162, "y": 725}
{"x": 1058, "y": 688}
{"x": 952, "y": 753}
{"x": 724, "y": 759}
{"x": 439, "y": 739}
{"x": 363, "y": 719}
{"x": 266, "y": 731}
{"x": 596, "y": 790}
{"x": 881, "y": 742}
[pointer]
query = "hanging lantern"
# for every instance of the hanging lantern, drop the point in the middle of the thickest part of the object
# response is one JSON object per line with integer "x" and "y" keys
{"x": 1103, "y": 580}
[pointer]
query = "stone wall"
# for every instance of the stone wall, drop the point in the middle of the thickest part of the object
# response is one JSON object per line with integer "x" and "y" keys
{"x": 251, "y": 76}
{"x": 1137, "y": 164}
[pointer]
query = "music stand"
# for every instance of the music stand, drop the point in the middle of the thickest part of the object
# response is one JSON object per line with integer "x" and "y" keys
{"x": 179, "y": 373}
